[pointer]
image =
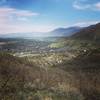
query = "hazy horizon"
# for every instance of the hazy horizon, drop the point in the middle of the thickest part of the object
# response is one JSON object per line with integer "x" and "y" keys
{"x": 25, "y": 16}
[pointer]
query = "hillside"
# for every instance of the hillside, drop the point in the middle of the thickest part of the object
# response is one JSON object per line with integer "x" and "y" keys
{"x": 61, "y": 32}
{"x": 89, "y": 33}
{"x": 34, "y": 78}
{"x": 22, "y": 79}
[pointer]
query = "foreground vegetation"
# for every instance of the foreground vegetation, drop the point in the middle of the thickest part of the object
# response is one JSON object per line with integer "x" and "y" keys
{"x": 70, "y": 72}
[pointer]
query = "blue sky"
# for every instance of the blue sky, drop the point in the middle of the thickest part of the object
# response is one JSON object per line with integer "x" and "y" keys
{"x": 45, "y": 15}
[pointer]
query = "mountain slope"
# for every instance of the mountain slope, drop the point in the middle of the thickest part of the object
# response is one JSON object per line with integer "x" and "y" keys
{"x": 90, "y": 33}
{"x": 65, "y": 31}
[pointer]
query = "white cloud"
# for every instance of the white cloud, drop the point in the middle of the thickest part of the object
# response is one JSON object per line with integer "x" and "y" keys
{"x": 97, "y": 6}
{"x": 84, "y": 5}
{"x": 15, "y": 20}
{"x": 78, "y": 5}
{"x": 11, "y": 15}
{"x": 12, "y": 11}
{"x": 25, "y": 13}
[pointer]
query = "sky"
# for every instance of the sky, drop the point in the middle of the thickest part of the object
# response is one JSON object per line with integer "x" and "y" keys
{"x": 17, "y": 16}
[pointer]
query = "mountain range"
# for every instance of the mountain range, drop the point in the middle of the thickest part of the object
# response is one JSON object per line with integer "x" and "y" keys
{"x": 59, "y": 32}
{"x": 88, "y": 33}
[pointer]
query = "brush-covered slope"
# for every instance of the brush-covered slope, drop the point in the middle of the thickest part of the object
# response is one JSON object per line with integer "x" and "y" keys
{"x": 89, "y": 33}
{"x": 21, "y": 79}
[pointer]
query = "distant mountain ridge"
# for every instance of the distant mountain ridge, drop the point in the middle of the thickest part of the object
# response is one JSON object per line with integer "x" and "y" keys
{"x": 89, "y": 33}
{"x": 65, "y": 31}
{"x": 60, "y": 32}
